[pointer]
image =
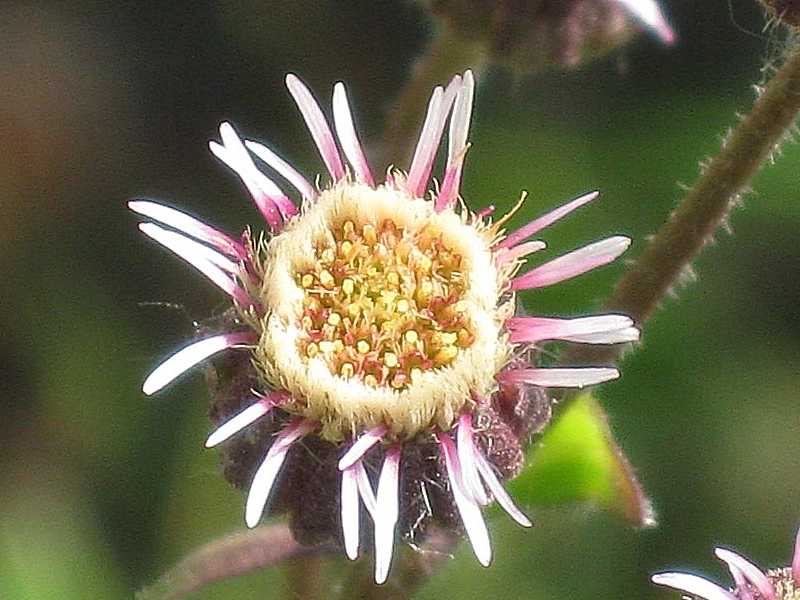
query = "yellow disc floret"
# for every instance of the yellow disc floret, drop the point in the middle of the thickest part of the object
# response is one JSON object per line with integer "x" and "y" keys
{"x": 381, "y": 311}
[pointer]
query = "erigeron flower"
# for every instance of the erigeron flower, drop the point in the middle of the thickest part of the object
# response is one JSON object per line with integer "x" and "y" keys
{"x": 375, "y": 322}
{"x": 750, "y": 582}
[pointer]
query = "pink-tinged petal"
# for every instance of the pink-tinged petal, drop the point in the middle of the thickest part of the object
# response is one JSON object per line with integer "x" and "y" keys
{"x": 317, "y": 125}
{"x": 197, "y": 255}
{"x": 365, "y": 489}
{"x": 265, "y": 476}
{"x": 649, "y": 13}
{"x": 498, "y": 491}
{"x": 244, "y": 418}
{"x": 187, "y": 357}
{"x": 457, "y": 143}
{"x": 742, "y": 586}
{"x": 284, "y": 169}
{"x": 796, "y": 560}
{"x": 486, "y": 211}
{"x": 507, "y": 255}
{"x": 188, "y": 225}
{"x": 386, "y": 513}
{"x": 573, "y": 264}
{"x": 619, "y": 336}
{"x": 367, "y": 440}
{"x": 536, "y": 329}
{"x": 466, "y": 458}
{"x": 546, "y": 220}
{"x": 751, "y": 572}
{"x": 266, "y": 195}
{"x": 469, "y": 510}
{"x": 446, "y": 198}
{"x": 350, "y": 512}
{"x": 346, "y": 130}
{"x": 425, "y": 153}
{"x": 692, "y": 584}
{"x": 577, "y": 377}
{"x": 194, "y": 248}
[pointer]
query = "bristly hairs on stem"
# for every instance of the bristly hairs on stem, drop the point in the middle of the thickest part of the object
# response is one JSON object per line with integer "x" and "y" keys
{"x": 707, "y": 205}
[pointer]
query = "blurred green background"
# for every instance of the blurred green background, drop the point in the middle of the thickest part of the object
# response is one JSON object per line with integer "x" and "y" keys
{"x": 103, "y": 489}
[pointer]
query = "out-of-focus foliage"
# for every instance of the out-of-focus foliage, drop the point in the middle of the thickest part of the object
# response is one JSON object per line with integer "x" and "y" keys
{"x": 103, "y": 489}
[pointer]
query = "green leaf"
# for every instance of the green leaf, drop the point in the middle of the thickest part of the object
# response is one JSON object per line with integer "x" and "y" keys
{"x": 578, "y": 459}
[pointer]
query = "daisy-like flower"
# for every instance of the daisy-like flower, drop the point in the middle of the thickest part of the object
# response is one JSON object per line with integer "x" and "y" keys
{"x": 750, "y": 582}
{"x": 374, "y": 364}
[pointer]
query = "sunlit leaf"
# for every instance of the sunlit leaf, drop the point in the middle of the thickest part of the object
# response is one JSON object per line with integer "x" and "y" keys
{"x": 578, "y": 459}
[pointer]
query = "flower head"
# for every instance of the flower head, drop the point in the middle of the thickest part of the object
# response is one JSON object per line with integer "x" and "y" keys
{"x": 375, "y": 322}
{"x": 750, "y": 582}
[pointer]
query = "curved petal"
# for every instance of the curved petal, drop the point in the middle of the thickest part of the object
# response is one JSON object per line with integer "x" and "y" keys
{"x": 346, "y": 130}
{"x": 266, "y": 474}
{"x": 573, "y": 264}
{"x": 387, "y": 511}
{"x": 317, "y": 125}
{"x": 469, "y": 510}
{"x": 692, "y": 584}
{"x": 187, "y": 357}
{"x": 188, "y": 225}
{"x": 284, "y": 169}
{"x": 566, "y": 377}
{"x": 546, "y": 220}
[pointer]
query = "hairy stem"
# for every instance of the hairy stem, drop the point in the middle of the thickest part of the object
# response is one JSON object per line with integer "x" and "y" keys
{"x": 231, "y": 556}
{"x": 706, "y": 206}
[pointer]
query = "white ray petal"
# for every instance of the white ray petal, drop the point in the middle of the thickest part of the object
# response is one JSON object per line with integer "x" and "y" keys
{"x": 365, "y": 488}
{"x": 350, "y": 512}
{"x": 546, "y": 220}
{"x": 466, "y": 457}
{"x": 317, "y": 125}
{"x": 469, "y": 510}
{"x": 187, "y": 224}
{"x": 462, "y": 112}
{"x": 360, "y": 447}
{"x": 419, "y": 171}
{"x": 751, "y": 572}
{"x": 498, "y": 491}
{"x": 238, "y": 422}
{"x": 506, "y": 255}
{"x": 564, "y": 377}
{"x": 649, "y": 13}
{"x": 269, "y": 198}
{"x": 200, "y": 257}
{"x": 742, "y": 585}
{"x": 266, "y": 474}
{"x": 283, "y": 168}
{"x": 618, "y": 336}
{"x": 573, "y": 264}
{"x": 692, "y": 584}
{"x": 187, "y": 357}
{"x": 536, "y": 329}
{"x": 346, "y": 130}
{"x": 386, "y": 513}
{"x": 457, "y": 142}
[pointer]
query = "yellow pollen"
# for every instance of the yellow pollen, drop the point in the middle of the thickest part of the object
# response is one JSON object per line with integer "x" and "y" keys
{"x": 384, "y": 304}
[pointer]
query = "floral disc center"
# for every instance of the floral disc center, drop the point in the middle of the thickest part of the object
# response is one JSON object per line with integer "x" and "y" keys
{"x": 383, "y": 311}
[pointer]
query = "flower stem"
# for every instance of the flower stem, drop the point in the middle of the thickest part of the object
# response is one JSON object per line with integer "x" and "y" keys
{"x": 231, "y": 556}
{"x": 706, "y": 205}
